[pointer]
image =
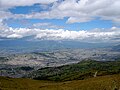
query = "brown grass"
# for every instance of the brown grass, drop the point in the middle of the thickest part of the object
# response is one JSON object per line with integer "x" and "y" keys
{"x": 109, "y": 82}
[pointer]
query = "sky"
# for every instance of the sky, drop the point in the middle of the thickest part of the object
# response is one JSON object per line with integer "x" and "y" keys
{"x": 78, "y": 20}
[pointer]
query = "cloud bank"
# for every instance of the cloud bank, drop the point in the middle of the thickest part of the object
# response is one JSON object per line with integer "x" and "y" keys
{"x": 96, "y": 35}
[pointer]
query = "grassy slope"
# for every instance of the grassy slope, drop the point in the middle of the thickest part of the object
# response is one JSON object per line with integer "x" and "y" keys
{"x": 109, "y": 82}
{"x": 79, "y": 71}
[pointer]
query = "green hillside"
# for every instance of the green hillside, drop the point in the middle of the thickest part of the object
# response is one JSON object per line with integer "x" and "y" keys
{"x": 82, "y": 70}
{"x": 108, "y": 82}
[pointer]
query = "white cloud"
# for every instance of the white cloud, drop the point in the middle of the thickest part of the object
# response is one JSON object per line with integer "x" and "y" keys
{"x": 13, "y": 3}
{"x": 14, "y": 36}
{"x": 61, "y": 34}
{"x": 75, "y": 10}
{"x": 47, "y": 26}
{"x": 77, "y": 19}
{"x": 5, "y": 15}
{"x": 82, "y": 10}
{"x": 41, "y": 24}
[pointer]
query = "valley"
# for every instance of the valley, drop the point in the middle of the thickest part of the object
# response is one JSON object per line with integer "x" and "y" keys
{"x": 13, "y": 65}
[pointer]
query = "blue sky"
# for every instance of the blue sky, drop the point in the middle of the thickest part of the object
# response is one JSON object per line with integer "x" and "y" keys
{"x": 97, "y": 23}
{"x": 71, "y": 18}
{"x": 61, "y": 22}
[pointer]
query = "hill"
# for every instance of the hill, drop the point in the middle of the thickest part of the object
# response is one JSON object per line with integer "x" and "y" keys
{"x": 82, "y": 70}
{"x": 109, "y": 82}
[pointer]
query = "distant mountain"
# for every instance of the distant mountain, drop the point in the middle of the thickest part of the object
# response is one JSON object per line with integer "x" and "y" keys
{"x": 46, "y": 45}
{"x": 116, "y": 47}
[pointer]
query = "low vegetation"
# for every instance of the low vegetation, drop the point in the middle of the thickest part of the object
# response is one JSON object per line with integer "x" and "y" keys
{"x": 82, "y": 70}
{"x": 108, "y": 82}
{"x": 85, "y": 75}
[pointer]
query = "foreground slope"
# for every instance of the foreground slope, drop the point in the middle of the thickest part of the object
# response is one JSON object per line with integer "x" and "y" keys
{"x": 109, "y": 82}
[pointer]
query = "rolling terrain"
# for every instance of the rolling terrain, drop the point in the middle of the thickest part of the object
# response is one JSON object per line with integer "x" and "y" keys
{"x": 80, "y": 71}
{"x": 67, "y": 69}
{"x": 109, "y": 82}
{"x": 18, "y": 65}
